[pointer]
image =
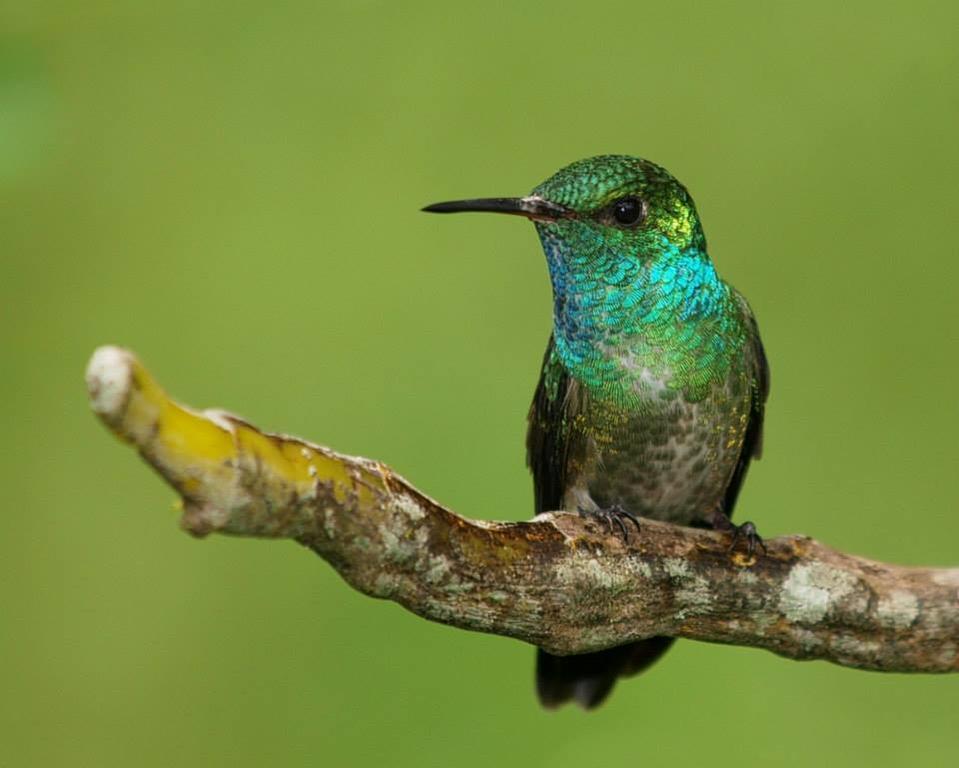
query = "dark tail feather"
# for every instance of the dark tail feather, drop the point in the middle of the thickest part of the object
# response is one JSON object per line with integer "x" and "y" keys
{"x": 589, "y": 677}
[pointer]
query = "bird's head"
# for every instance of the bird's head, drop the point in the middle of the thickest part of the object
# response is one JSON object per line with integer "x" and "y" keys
{"x": 623, "y": 243}
{"x": 603, "y": 209}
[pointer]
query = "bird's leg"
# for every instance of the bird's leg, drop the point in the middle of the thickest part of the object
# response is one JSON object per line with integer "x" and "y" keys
{"x": 614, "y": 514}
{"x": 745, "y": 531}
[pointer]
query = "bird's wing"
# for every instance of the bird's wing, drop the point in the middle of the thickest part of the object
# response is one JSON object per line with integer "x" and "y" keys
{"x": 753, "y": 441}
{"x": 548, "y": 435}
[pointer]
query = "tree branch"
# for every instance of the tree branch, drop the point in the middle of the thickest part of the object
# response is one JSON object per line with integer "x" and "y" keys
{"x": 558, "y": 582}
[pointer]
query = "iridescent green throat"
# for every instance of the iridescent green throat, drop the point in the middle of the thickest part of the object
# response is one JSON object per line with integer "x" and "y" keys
{"x": 634, "y": 307}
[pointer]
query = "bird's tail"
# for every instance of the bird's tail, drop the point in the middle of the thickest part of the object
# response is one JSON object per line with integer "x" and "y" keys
{"x": 589, "y": 677}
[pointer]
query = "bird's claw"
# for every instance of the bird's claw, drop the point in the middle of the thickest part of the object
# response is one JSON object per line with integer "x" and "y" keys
{"x": 748, "y": 532}
{"x": 614, "y": 514}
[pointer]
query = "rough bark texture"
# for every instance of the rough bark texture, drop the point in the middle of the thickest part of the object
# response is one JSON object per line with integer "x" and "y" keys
{"x": 558, "y": 581}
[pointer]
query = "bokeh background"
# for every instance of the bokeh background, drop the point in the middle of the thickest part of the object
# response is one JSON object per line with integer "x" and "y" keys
{"x": 232, "y": 190}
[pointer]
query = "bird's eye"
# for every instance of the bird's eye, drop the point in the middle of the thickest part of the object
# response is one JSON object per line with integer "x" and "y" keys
{"x": 629, "y": 211}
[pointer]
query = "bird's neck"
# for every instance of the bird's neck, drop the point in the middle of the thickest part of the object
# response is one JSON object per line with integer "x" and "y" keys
{"x": 618, "y": 318}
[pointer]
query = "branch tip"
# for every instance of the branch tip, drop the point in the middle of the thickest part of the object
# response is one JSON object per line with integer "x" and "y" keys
{"x": 109, "y": 378}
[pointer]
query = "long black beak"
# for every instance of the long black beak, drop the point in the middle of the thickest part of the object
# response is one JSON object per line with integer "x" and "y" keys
{"x": 535, "y": 208}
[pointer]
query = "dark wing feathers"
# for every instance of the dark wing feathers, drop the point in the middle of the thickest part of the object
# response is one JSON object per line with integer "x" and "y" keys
{"x": 753, "y": 440}
{"x": 547, "y": 447}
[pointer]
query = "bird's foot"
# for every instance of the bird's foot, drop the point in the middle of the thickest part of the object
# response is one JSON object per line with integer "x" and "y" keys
{"x": 614, "y": 514}
{"x": 747, "y": 532}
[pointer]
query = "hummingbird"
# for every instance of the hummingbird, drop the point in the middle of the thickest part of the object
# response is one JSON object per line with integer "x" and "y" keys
{"x": 653, "y": 387}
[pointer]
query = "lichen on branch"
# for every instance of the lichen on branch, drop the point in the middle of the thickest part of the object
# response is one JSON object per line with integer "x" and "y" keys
{"x": 558, "y": 581}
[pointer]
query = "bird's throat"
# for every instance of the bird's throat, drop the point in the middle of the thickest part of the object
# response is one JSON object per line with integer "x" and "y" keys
{"x": 619, "y": 316}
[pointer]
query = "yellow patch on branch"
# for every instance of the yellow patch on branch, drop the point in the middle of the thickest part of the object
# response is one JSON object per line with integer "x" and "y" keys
{"x": 214, "y": 459}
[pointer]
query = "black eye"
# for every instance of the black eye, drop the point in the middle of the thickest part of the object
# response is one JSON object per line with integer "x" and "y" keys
{"x": 629, "y": 211}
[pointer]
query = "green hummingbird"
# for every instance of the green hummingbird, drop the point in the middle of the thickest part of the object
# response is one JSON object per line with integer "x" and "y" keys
{"x": 651, "y": 396}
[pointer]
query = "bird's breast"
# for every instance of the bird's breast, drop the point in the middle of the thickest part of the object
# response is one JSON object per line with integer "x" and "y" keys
{"x": 665, "y": 453}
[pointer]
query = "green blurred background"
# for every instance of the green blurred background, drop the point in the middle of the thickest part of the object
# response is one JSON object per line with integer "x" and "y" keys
{"x": 231, "y": 189}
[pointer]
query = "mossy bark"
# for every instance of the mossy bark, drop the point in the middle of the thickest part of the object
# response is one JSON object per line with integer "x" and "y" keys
{"x": 558, "y": 582}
